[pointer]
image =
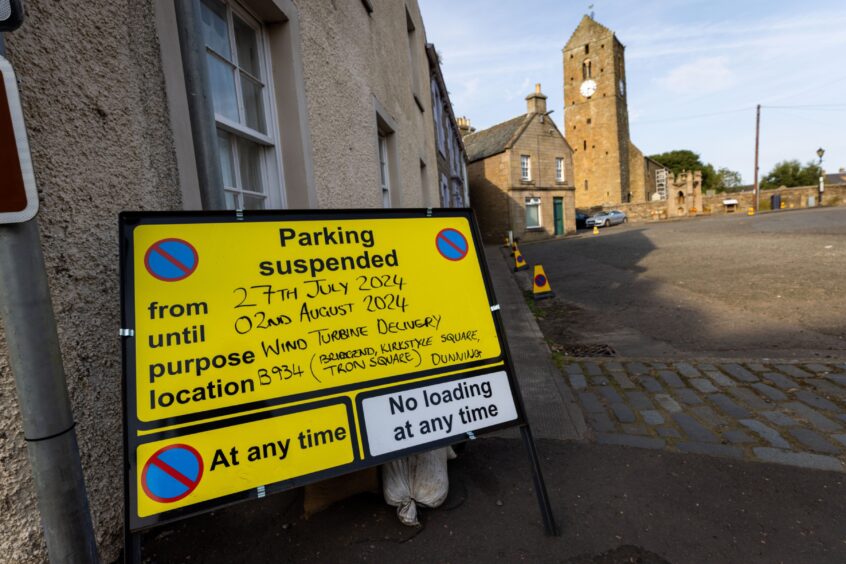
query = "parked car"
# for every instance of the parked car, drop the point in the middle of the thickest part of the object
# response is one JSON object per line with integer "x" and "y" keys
{"x": 581, "y": 220}
{"x": 604, "y": 219}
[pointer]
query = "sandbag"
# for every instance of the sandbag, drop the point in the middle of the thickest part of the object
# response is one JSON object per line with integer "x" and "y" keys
{"x": 416, "y": 479}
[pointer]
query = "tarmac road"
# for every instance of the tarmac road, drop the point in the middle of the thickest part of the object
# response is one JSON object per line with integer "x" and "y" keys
{"x": 654, "y": 505}
{"x": 732, "y": 286}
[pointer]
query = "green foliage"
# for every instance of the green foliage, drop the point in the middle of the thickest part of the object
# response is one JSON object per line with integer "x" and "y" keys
{"x": 791, "y": 173}
{"x": 683, "y": 159}
{"x": 728, "y": 180}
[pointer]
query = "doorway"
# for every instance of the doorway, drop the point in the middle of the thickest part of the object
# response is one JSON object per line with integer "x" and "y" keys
{"x": 558, "y": 215}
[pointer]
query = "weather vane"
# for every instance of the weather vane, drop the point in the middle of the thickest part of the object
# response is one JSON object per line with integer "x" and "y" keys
{"x": 590, "y": 7}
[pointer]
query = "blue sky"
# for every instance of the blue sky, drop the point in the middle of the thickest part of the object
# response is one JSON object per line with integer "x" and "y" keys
{"x": 695, "y": 70}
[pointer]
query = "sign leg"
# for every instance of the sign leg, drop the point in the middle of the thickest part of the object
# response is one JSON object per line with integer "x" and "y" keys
{"x": 131, "y": 547}
{"x": 549, "y": 525}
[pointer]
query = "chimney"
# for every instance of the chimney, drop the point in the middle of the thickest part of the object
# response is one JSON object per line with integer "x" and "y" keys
{"x": 464, "y": 126}
{"x": 536, "y": 101}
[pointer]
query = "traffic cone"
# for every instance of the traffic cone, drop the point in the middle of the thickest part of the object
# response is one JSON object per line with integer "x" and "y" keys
{"x": 540, "y": 285}
{"x": 595, "y": 230}
{"x": 519, "y": 261}
{"x": 507, "y": 244}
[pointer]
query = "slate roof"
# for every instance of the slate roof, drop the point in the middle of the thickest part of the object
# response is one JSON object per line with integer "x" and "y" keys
{"x": 835, "y": 178}
{"x": 493, "y": 140}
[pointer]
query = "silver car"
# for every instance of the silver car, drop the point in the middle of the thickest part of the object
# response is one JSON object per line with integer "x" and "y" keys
{"x": 604, "y": 219}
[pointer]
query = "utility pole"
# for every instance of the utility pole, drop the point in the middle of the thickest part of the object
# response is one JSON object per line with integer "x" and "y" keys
{"x": 36, "y": 362}
{"x": 757, "y": 138}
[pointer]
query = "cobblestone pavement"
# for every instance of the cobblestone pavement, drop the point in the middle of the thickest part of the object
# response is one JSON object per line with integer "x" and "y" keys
{"x": 772, "y": 412}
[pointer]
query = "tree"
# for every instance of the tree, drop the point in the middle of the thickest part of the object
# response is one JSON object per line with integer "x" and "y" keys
{"x": 791, "y": 173}
{"x": 728, "y": 180}
{"x": 684, "y": 159}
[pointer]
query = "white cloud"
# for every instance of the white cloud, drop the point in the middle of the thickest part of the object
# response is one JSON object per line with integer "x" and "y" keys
{"x": 706, "y": 74}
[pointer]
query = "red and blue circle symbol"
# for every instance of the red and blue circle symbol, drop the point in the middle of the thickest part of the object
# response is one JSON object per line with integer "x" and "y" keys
{"x": 171, "y": 260}
{"x": 540, "y": 280}
{"x": 452, "y": 244}
{"x": 520, "y": 258}
{"x": 172, "y": 473}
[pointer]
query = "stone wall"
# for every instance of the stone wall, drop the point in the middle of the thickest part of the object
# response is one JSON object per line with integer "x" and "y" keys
{"x": 792, "y": 198}
{"x": 487, "y": 179}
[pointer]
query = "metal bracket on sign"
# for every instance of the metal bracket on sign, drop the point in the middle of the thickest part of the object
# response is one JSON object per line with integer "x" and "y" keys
{"x": 471, "y": 435}
{"x": 260, "y": 492}
{"x": 239, "y": 215}
{"x": 495, "y": 307}
{"x": 127, "y": 332}
{"x": 428, "y": 212}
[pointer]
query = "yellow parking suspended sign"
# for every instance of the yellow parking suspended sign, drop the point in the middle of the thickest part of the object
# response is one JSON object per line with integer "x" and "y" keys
{"x": 240, "y": 329}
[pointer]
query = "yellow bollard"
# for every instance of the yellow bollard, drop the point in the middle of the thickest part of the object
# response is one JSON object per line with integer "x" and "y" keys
{"x": 595, "y": 230}
{"x": 540, "y": 285}
{"x": 781, "y": 206}
{"x": 750, "y": 211}
{"x": 519, "y": 261}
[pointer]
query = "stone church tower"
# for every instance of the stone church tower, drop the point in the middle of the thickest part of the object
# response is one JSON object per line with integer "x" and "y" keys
{"x": 596, "y": 119}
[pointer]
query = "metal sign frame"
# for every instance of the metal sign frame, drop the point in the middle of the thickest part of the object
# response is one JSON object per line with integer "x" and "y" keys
{"x": 27, "y": 176}
{"x": 233, "y": 415}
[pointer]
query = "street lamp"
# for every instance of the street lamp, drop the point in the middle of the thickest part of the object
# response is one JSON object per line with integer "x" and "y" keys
{"x": 820, "y": 153}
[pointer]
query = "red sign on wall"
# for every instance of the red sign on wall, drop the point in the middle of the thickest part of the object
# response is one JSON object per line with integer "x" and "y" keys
{"x": 18, "y": 197}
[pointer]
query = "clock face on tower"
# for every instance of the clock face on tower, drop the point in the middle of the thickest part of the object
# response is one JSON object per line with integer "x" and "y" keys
{"x": 587, "y": 88}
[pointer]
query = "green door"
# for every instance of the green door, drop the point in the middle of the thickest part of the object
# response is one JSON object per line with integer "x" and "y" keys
{"x": 558, "y": 215}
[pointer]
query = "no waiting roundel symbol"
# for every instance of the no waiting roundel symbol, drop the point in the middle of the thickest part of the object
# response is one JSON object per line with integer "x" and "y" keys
{"x": 172, "y": 473}
{"x": 452, "y": 244}
{"x": 171, "y": 260}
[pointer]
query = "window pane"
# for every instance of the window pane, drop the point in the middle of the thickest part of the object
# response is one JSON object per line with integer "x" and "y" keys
{"x": 253, "y": 202}
{"x": 246, "y": 45}
{"x": 224, "y": 152}
{"x": 215, "y": 30}
{"x": 253, "y": 103}
{"x": 249, "y": 164}
{"x": 231, "y": 200}
{"x": 383, "y": 161}
{"x": 222, "y": 83}
{"x": 532, "y": 216}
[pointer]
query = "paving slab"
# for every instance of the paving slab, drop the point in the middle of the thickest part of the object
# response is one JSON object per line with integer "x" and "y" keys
{"x": 780, "y": 380}
{"x": 813, "y": 441}
{"x": 703, "y": 385}
{"x": 738, "y": 372}
{"x": 814, "y": 417}
{"x": 693, "y": 429}
{"x": 802, "y": 459}
{"x": 793, "y": 370}
{"x": 767, "y": 433}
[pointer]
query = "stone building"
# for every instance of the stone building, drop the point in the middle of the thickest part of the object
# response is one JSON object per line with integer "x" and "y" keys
{"x": 294, "y": 104}
{"x": 521, "y": 176}
{"x": 609, "y": 169}
{"x": 452, "y": 159}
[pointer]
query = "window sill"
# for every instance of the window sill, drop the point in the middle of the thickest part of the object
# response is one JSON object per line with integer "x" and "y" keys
{"x": 527, "y": 181}
{"x": 537, "y": 228}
